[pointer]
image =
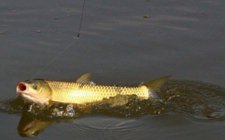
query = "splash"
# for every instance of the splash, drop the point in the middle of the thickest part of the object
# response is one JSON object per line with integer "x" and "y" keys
{"x": 197, "y": 99}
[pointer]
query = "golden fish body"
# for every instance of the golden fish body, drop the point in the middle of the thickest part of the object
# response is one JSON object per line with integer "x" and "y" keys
{"x": 82, "y": 91}
{"x": 69, "y": 92}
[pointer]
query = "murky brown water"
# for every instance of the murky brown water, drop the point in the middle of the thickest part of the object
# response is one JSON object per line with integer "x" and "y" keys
{"x": 122, "y": 42}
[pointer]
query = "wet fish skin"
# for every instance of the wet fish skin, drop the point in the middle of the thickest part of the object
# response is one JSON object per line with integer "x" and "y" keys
{"x": 82, "y": 91}
{"x": 85, "y": 93}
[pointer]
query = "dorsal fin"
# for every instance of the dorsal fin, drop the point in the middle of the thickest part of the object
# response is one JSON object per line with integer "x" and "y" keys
{"x": 156, "y": 84}
{"x": 84, "y": 79}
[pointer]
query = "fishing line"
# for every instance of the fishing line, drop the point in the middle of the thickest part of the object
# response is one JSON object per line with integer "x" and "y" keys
{"x": 53, "y": 60}
{"x": 65, "y": 48}
{"x": 81, "y": 19}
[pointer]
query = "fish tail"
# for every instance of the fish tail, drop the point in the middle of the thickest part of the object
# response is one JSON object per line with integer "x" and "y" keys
{"x": 155, "y": 85}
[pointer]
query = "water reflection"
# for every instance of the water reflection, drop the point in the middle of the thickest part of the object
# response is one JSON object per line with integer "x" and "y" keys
{"x": 195, "y": 99}
{"x": 30, "y": 125}
{"x": 35, "y": 119}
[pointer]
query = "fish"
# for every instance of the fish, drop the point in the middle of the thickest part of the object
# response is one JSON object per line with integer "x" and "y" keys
{"x": 83, "y": 90}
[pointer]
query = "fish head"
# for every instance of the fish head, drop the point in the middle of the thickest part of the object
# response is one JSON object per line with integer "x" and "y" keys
{"x": 37, "y": 91}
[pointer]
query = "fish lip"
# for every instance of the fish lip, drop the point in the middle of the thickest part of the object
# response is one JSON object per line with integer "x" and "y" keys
{"x": 21, "y": 93}
{"x": 27, "y": 96}
{"x": 24, "y": 94}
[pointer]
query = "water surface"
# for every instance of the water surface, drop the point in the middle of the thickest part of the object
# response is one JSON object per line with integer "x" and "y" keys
{"x": 122, "y": 42}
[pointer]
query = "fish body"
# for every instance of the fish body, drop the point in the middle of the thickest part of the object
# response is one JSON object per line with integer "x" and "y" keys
{"x": 69, "y": 92}
{"x": 82, "y": 91}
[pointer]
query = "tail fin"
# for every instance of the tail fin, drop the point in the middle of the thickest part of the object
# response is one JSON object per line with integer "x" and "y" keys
{"x": 154, "y": 86}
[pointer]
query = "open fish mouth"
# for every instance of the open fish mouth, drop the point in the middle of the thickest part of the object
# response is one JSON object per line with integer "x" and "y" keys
{"x": 22, "y": 91}
{"x": 21, "y": 86}
{"x": 26, "y": 95}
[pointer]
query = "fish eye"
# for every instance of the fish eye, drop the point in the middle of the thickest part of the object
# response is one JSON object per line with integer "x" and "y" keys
{"x": 35, "y": 86}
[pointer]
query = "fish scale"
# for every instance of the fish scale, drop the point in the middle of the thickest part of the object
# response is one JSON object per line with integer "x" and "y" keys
{"x": 82, "y": 90}
{"x": 85, "y": 93}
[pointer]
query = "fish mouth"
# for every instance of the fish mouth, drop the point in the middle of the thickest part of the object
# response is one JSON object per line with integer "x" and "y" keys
{"x": 25, "y": 95}
{"x": 21, "y": 86}
{"x": 29, "y": 97}
{"x": 23, "y": 91}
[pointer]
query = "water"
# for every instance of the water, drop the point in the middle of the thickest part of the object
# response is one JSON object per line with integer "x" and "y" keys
{"x": 122, "y": 42}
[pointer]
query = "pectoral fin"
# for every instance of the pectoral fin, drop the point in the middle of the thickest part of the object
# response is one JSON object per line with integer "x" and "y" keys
{"x": 85, "y": 79}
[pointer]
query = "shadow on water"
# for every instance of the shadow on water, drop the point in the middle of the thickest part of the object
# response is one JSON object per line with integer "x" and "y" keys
{"x": 190, "y": 98}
